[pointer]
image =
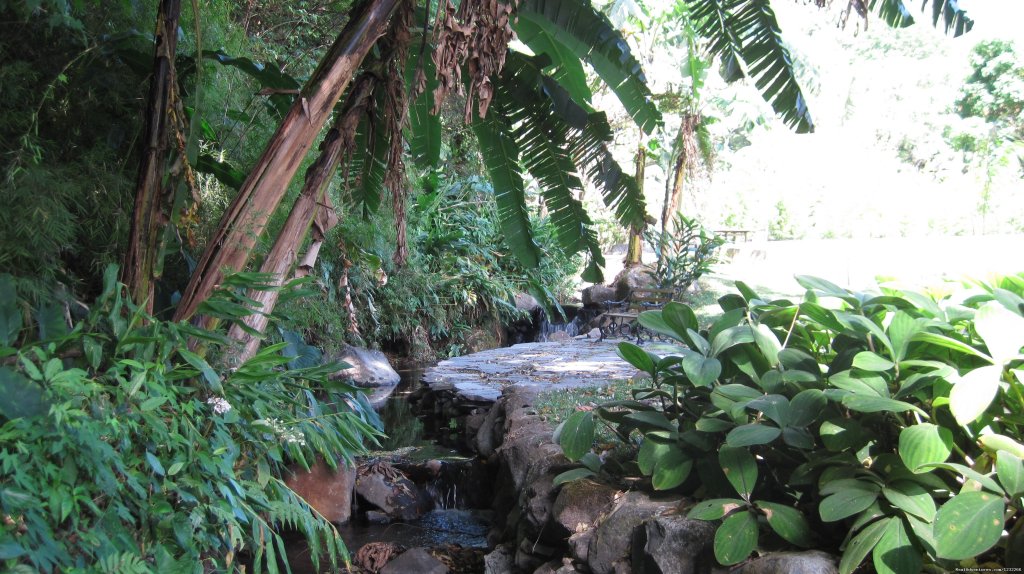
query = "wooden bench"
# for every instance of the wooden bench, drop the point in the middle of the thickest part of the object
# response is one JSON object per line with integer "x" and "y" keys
{"x": 620, "y": 317}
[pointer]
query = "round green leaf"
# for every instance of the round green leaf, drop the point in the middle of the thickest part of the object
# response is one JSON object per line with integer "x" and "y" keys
{"x": 996, "y": 442}
{"x": 806, "y": 406}
{"x": 911, "y": 498}
{"x": 671, "y": 469}
{"x": 714, "y": 508}
{"x": 1010, "y": 470}
{"x": 841, "y": 434}
{"x": 1001, "y": 329}
{"x": 571, "y": 475}
{"x": 637, "y": 357}
{"x": 787, "y": 522}
{"x": 731, "y": 337}
{"x": 775, "y": 407}
{"x": 752, "y": 434}
{"x": 649, "y": 453}
{"x": 577, "y": 435}
{"x": 847, "y": 502}
{"x": 870, "y": 404}
{"x": 894, "y": 553}
{"x": 973, "y": 393}
{"x": 861, "y": 544}
{"x": 798, "y": 438}
{"x": 872, "y": 362}
{"x": 701, "y": 371}
{"x": 736, "y": 538}
{"x": 924, "y": 443}
{"x": 968, "y": 524}
{"x": 740, "y": 468}
{"x": 679, "y": 317}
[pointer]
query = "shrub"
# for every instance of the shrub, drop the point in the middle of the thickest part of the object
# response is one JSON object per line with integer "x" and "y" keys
{"x": 884, "y": 425}
{"x": 124, "y": 451}
{"x": 684, "y": 255}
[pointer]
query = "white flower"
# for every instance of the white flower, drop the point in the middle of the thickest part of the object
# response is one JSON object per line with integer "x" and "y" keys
{"x": 220, "y": 405}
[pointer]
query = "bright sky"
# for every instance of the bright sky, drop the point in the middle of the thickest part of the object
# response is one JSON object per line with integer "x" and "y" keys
{"x": 999, "y": 18}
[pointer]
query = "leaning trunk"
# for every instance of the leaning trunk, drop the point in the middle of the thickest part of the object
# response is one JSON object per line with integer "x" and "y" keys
{"x": 312, "y": 209}
{"x": 634, "y": 249}
{"x": 245, "y": 219}
{"x": 140, "y": 262}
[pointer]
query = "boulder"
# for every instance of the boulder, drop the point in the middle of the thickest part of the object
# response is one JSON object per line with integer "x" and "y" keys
{"x": 499, "y": 561}
{"x": 387, "y": 488}
{"x": 630, "y": 278}
{"x": 673, "y": 545}
{"x": 609, "y": 548}
{"x": 415, "y": 561}
{"x": 596, "y": 295}
{"x": 484, "y": 440}
{"x": 579, "y": 505}
{"x": 527, "y": 302}
{"x": 810, "y": 562}
{"x": 369, "y": 368}
{"x": 328, "y": 491}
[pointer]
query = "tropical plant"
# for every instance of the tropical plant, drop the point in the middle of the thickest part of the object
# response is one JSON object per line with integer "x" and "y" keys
{"x": 886, "y": 425}
{"x": 684, "y": 254}
{"x": 126, "y": 452}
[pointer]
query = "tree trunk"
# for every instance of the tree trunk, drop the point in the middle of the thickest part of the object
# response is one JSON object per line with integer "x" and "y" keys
{"x": 634, "y": 249}
{"x": 245, "y": 219}
{"x": 674, "y": 197}
{"x": 312, "y": 208}
{"x": 139, "y": 270}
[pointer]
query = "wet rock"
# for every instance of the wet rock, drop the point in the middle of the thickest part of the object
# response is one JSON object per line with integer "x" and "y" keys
{"x": 328, "y": 491}
{"x": 610, "y": 545}
{"x": 597, "y": 295}
{"x": 415, "y": 561}
{"x": 810, "y": 562}
{"x": 369, "y": 368}
{"x": 579, "y": 505}
{"x": 579, "y": 545}
{"x": 387, "y": 488}
{"x": 527, "y": 302}
{"x": 499, "y": 561}
{"x": 530, "y": 555}
{"x": 558, "y": 336}
{"x": 484, "y": 441}
{"x": 673, "y": 545}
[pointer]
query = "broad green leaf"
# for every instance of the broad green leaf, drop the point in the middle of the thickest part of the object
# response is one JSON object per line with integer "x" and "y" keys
{"x": 767, "y": 342}
{"x": 994, "y": 442}
{"x": 20, "y": 397}
{"x": 902, "y": 329}
{"x": 715, "y": 508}
{"x": 736, "y": 538}
{"x": 577, "y": 435}
{"x": 894, "y": 553}
{"x": 650, "y": 421}
{"x": 842, "y": 434}
{"x": 912, "y": 498}
{"x": 711, "y": 424}
{"x": 154, "y": 463}
{"x": 571, "y": 475}
{"x": 654, "y": 321}
{"x": 806, "y": 407}
{"x": 848, "y": 501}
{"x": 701, "y": 371}
{"x": 424, "y": 137}
{"x": 789, "y": 523}
{"x": 924, "y": 443}
{"x": 862, "y": 544}
{"x": 872, "y": 362}
{"x": 680, "y": 317}
{"x": 866, "y": 404}
{"x": 865, "y": 384}
{"x": 798, "y": 437}
{"x": 775, "y": 407}
{"x": 1010, "y": 471}
{"x": 731, "y": 337}
{"x": 51, "y": 321}
{"x": 649, "y": 453}
{"x": 970, "y": 474}
{"x": 591, "y": 461}
{"x": 637, "y": 357}
{"x": 752, "y": 434}
{"x": 952, "y": 344}
{"x": 671, "y": 468}
{"x": 868, "y": 328}
{"x": 822, "y": 316}
{"x": 152, "y": 403}
{"x": 1001, "y": 329}
{"x": 740, "y": 468}
{"x": 973, "y": 393}
{"x": 825, "y": 287}
{"x": 175, "y": 468}
{"x": 565, "y": 67}
{"x": 968, "y": 524}
{"x": 211, "y": 376}
{"x": 798, "y": 360}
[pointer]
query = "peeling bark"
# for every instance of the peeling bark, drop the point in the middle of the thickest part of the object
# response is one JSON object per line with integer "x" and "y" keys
{"x": 312, "y": 208}
{"x": 140, "y": 262}
{"x": 634, "y": 248}
{"x": 246, "y": 218}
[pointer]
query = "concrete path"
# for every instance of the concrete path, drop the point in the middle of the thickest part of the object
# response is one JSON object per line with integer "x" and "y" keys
{"x": 575, "y": 363}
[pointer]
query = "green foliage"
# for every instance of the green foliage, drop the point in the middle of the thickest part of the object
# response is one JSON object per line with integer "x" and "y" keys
{"x": 897, "y": 416}
{"x": 136, "y": 455}
{"x": 684, "y": 255}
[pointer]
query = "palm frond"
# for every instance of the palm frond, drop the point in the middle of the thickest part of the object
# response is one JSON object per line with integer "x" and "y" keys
{"x": 424, "y": 131}
{"x": 566, "y": 67}
{"x": 501, "y": 158}
{"x": 953, "y": 17}
{"x": 747, "y": 32}
{"x": 366, "y": 169}
{"x": 576, "y": 25}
